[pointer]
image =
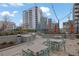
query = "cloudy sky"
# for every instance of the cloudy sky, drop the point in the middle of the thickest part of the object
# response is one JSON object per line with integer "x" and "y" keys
{"x": 14, "y": 11}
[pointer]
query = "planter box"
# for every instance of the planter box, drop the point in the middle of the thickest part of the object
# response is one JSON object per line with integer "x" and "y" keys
{"x": 77, "y": 36}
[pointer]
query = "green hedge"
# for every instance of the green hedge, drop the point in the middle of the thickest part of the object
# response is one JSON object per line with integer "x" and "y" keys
{"x": 16, "y": 31}
{"x": 77, "y": 36}
{"x": 4, "y": 43}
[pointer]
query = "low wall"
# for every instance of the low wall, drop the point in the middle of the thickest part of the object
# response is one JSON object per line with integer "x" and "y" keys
{"x": 16, "y": 39}
{"x": 8, "y": 38}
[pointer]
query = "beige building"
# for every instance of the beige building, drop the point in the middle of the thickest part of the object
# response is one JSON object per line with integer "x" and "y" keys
{"x": 66, "y": 26}
{"x": 7, "y": 25}
{"x": 10, "y": 26}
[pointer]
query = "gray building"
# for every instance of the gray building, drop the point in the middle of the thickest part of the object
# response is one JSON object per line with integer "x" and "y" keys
{"x": 65, "y": 27}
{"x": 76, "y": 17}
{"x": 43, "y": 23}
{"x": 49, "y": 22}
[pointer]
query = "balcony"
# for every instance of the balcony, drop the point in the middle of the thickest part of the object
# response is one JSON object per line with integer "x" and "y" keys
{"x": 76, "y": 10}
{"x": 76, "y": 4}
{"x": 76, "y": 14}
{"x": 75, "y": 17}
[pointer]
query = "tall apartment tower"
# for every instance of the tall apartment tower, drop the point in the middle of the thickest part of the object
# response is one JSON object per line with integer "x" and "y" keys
{"x": 49, "y": 23}
{"x": 32, "y": 18}
{"x": 76, "y": 17}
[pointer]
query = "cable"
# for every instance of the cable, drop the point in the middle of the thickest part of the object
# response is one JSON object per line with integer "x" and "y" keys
{"x": 56, "y": 17}
{"x": 54, "y": 12}
{"x": 66, "y": 15}
{"x": 62, "y": 17}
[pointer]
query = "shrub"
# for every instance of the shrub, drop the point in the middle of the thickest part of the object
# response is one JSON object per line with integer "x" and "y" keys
{"x": 70, "y": 55}
{"x": 4, "y": 43}
{"x": 77, "y": 36}
{"x": 78, "y": 43}
{"x": 30, "y": 30}
{"x": 10, "y": 42}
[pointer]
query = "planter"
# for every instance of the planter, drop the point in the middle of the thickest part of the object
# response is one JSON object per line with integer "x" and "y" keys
{"x": 5, "y": 45}
{"x": 77, "y": 36}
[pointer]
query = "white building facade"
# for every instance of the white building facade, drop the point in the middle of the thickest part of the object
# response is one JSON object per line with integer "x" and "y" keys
{"x": 76, "y": 17}
{"x": 33, "y": 19}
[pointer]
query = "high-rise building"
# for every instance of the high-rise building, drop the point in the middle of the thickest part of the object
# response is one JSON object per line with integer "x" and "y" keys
{"x": 43, "y": 24}
{"x": 76, "y": 17}
{"x": 66, "y": 27}
{"x": 49, "y": 22}
{"x": 33, "y": 18}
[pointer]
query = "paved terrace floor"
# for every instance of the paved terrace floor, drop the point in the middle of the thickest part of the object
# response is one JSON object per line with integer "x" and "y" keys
{"x": 36, "y": 45}
{"x": 71, "y": 48}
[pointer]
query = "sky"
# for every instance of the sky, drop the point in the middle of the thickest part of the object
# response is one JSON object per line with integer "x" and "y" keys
{"x": 15, "y": 11}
